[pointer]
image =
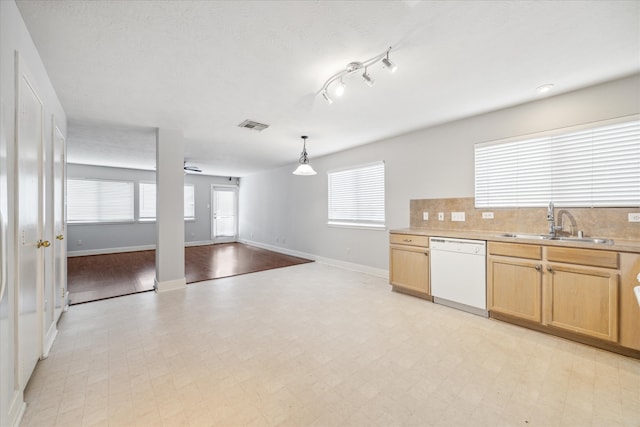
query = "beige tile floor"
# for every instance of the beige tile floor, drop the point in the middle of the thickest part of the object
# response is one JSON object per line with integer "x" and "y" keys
{"x": 314, "y": 345}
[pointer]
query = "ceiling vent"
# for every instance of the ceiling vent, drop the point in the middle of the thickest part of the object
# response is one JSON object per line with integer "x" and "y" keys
{"x": 250, "y": 124}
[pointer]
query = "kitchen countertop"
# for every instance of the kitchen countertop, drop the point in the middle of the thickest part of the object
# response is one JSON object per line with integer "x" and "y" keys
{"x": 619, "y": 245}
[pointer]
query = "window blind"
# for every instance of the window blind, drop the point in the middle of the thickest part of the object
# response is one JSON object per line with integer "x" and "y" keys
{"x": 99, "y": 201}
{"x": 594, "y": 167}
{"x": 356, "y": 196}
{"x": 147, "y": 199}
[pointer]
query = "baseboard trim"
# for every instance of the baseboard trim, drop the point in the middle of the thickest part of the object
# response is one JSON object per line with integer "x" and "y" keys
{"x": 169, "y": 285}
{"x": 52, "y": 333}
{"x": 16, "y": 410}
{"x": 71, "y": 254}
{"x": 104, "y": 251}
{"x": 378, "y": 272}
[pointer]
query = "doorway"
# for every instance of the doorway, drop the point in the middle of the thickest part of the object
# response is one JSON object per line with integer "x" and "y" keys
{"x": 224, "y": 214}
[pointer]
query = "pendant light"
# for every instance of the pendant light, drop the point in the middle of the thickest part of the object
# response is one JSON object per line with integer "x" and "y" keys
{"x": 304, "y": 168}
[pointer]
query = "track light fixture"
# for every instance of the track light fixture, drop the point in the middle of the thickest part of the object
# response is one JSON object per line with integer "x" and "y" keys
{"x": 353, "y": 67}
{"x": 304, "y": 168}
{"x": 388, "y": 64}
{"x": 367, "y": 78}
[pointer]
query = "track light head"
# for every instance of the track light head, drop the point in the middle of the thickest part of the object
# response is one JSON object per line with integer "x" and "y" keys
{"x": 368, "y": 79}
{"x": 389, "y": 65}
{"x": 326, "y": 97}
{"x": 340, "y": 88}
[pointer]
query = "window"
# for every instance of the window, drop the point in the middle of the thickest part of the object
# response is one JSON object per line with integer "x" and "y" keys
{"x": 147, "y": 197}
{"x": 99, "y": 201}
{"x": 594, "y": 166}
{"x": 356, "y": 196}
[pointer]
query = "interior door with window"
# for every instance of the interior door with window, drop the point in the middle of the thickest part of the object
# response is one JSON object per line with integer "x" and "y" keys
{"x": 224, "y": 211}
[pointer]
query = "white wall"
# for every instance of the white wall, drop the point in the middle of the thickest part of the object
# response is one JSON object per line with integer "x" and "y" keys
{"x": 104, "y": 238}
{"x": 15, "y": 37}
{"x": 436, "y": 162}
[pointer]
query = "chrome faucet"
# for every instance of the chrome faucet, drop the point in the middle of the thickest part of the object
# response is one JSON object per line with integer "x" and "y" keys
{"x": 553, "y": 228}
{"x": 551, "y": 220}
{"x": 572, "y": 222}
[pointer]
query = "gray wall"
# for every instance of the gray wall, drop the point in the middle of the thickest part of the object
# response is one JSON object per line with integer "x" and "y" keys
{"x": 289, "y": 212}
{"x": 102, "y": 238}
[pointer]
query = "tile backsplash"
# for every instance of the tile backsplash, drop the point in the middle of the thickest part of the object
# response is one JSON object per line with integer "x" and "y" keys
{"x": 598, "y": 222}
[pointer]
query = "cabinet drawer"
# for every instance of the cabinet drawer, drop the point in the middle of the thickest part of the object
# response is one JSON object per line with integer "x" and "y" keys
{"x": 409, "y": 239}
{"x": 516, "y": 250}
{"x": 590, "y": 257}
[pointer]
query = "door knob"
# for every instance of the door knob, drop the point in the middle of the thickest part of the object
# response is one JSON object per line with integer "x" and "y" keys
{"x": 44, "y": 243}
{"x": 60, "y": 237}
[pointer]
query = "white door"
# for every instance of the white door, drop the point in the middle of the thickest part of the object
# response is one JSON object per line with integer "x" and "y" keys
{"x": 224, "y": 209}
{"x": 30, "y": 224}
{"x": 59, "y": 245}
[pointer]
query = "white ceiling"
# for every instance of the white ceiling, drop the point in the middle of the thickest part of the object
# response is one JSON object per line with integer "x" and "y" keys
{"x": 121, "y": 68}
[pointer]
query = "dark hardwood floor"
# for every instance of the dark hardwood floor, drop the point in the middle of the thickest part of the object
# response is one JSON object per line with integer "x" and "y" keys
{"x": 95, "y": 277}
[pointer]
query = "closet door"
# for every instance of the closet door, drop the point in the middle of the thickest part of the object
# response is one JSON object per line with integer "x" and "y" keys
{"x": 30, "y": 218}
{"x": 59, "y": 223}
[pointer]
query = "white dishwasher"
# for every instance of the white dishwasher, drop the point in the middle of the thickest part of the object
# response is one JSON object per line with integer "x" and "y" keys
{"x": 458, "y": 274}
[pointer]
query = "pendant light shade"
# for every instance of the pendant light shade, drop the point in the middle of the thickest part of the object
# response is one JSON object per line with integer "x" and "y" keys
{"x": 304, "y": 168}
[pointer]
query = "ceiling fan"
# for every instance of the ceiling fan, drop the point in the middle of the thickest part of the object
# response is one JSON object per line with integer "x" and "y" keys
{"x": 191, "y": 168}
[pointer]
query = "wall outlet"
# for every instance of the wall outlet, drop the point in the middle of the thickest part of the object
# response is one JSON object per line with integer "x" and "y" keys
{"x": 634, "y": 217}
{"x": 457, "y": 216}
{"x": 425, "y": 216}
{"x": 487, "y": 215}
{"x": 79, "y": 242}
{"x": 440, "y": 216}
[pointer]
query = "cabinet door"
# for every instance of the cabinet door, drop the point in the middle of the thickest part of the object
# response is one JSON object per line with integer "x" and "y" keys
{"x": 514, "y": 287}
{"x": 583, "y": 300}
{"x": 409, "y": 268}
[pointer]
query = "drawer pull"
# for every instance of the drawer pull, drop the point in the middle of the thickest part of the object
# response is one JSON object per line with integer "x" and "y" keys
{"x": 407, "y": 240}
{"x": 550, "y": 270}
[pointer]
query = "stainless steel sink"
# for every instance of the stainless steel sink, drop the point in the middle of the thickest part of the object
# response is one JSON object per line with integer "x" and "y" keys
{"x": 585, "y": 239}
{"x": 525, "y": 236}
{"x": 563, "y": 238}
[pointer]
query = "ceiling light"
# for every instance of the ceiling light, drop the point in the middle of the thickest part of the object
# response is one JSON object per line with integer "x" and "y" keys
{"x": 367, "y": 78}
{"x": 304, "y": 168}
{"x": 340, "y": 88}
{"x": 326, "y": 97}
{"x": 388, "y": 64}
{"x": 544, "y": 89}
{"x": 351, "y": 68}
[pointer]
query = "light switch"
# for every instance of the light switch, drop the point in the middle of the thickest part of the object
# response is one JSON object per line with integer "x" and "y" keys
{"x": 634, "y": 217}
{"x": 425, "y": 216}
{"x": 440, "y": 216}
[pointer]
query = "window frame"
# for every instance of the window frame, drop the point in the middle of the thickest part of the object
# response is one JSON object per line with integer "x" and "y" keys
{"x": 149, "y": 219}
{"x": 128, "y": 220}
{"x": 355, "y": 222}
{"x": 569, "y": 168}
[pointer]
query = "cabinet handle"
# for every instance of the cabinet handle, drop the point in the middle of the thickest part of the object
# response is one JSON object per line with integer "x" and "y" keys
{"x": 538, "y": 267}
{"x": 550, "y": 270}
{"x": 407, "y": 240}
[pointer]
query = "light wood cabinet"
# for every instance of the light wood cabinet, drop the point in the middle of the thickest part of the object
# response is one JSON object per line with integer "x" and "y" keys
{"x": 409, "y": 264}
{"x": 571, "y": 289}
{"x": 629, "y": 310}
{"x": 515, "y": 287}
{"x": 583, "y": 300}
